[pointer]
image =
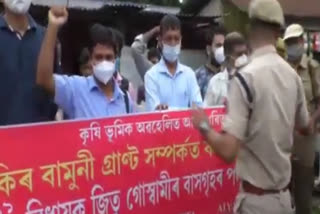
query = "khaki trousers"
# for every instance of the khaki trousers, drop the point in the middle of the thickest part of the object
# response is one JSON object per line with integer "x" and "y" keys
{"x": 279, "y": 203}
{"x": 302, "y": 186}
{"x": 302, "y": 172}
{"x": 304, "y": 149}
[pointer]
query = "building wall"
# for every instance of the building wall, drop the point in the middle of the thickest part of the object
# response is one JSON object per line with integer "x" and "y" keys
{"x": 311, "y": 24}
{"x": 236, "y": 19}
{"x": 214, "y": 8}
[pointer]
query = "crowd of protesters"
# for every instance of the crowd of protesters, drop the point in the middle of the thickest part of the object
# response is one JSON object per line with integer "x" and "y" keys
{"x": 272, "y": 98}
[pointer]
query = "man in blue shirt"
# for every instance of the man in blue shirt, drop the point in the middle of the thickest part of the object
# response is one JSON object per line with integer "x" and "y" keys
{"x": 170, "y": 84}
{"x": 20, "y": 41}
{"x": 84, "y": 97}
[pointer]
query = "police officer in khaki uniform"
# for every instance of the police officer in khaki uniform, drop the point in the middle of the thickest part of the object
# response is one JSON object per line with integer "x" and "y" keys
{"x": 304, "y": 146}
{"x": 266, "y": 103}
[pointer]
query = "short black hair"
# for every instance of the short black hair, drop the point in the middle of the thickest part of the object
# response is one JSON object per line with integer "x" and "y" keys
{"x": 212, "y": 32}
{"x": 169, "y": 22}
{"x": 100, "y": 34}
{"x": 233, "y": 39}
{"x": 84, "y": 57}
{"x": 154, "y": 52}
{"x": 120, "y": 40}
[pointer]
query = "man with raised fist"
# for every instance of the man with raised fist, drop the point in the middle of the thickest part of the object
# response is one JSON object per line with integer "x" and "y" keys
{"x": 84, "y": 97}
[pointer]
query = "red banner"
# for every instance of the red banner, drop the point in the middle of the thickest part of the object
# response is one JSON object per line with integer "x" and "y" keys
{"x": 153, "y": 163}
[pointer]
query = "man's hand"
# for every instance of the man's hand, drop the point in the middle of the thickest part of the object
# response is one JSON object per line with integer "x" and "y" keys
{"x": 311, "y": 128}
{"x": 58, "y": 16}
{"x": 199, "y": 116}
{"x": 225, "y": 146}
{"x": 162, "y": 107}
{"x": 151, "y": 33}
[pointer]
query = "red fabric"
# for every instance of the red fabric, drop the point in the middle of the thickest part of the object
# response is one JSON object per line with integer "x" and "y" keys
{"x": 183, "y": 177}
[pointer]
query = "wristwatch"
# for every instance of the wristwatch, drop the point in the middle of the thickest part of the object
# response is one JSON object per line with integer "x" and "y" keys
{"x": 204, "y": 127}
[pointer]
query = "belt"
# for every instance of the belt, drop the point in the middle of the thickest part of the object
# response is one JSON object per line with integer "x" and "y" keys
{"x": 249, "y": 188}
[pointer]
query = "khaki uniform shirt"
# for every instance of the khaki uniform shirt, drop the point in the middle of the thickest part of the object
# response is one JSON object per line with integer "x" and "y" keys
{"x": 311, "y": 85}
{"x": 279, "y": 105}
{"x": 304, "y": 147}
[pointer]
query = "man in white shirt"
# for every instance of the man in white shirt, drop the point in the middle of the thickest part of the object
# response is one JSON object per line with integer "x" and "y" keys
{"x": 139, "y": 49}
{"x": 235, "y": 50}
{"x": 214, "y": 45}
{"x": 144, "y": 60}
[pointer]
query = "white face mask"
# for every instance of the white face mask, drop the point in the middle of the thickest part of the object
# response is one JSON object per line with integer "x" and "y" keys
{"x": 241, "y": 61}
{"x": 171, "y": 53}
{"x": 18, "y": 6}
{"x": 104, "y": 71}
{"x": 219, "y": 55}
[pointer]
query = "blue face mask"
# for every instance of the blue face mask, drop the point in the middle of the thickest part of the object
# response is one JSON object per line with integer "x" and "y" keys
{"x": 295, "y": 52}
{"x": 171, "y": 53}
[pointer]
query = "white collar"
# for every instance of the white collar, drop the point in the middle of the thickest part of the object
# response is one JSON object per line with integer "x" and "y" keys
{"x": 223, "y": 75}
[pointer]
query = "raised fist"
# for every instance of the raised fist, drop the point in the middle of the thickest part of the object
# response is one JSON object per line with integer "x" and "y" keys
{"x": 58, "y": 15}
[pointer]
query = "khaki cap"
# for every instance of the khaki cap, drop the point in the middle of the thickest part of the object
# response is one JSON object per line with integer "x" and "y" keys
{"x": 269, "y": 11}
{"x": 293, "y": 31}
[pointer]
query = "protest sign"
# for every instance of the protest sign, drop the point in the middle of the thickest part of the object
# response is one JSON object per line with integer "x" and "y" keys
{"x": 149, "y": 163}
